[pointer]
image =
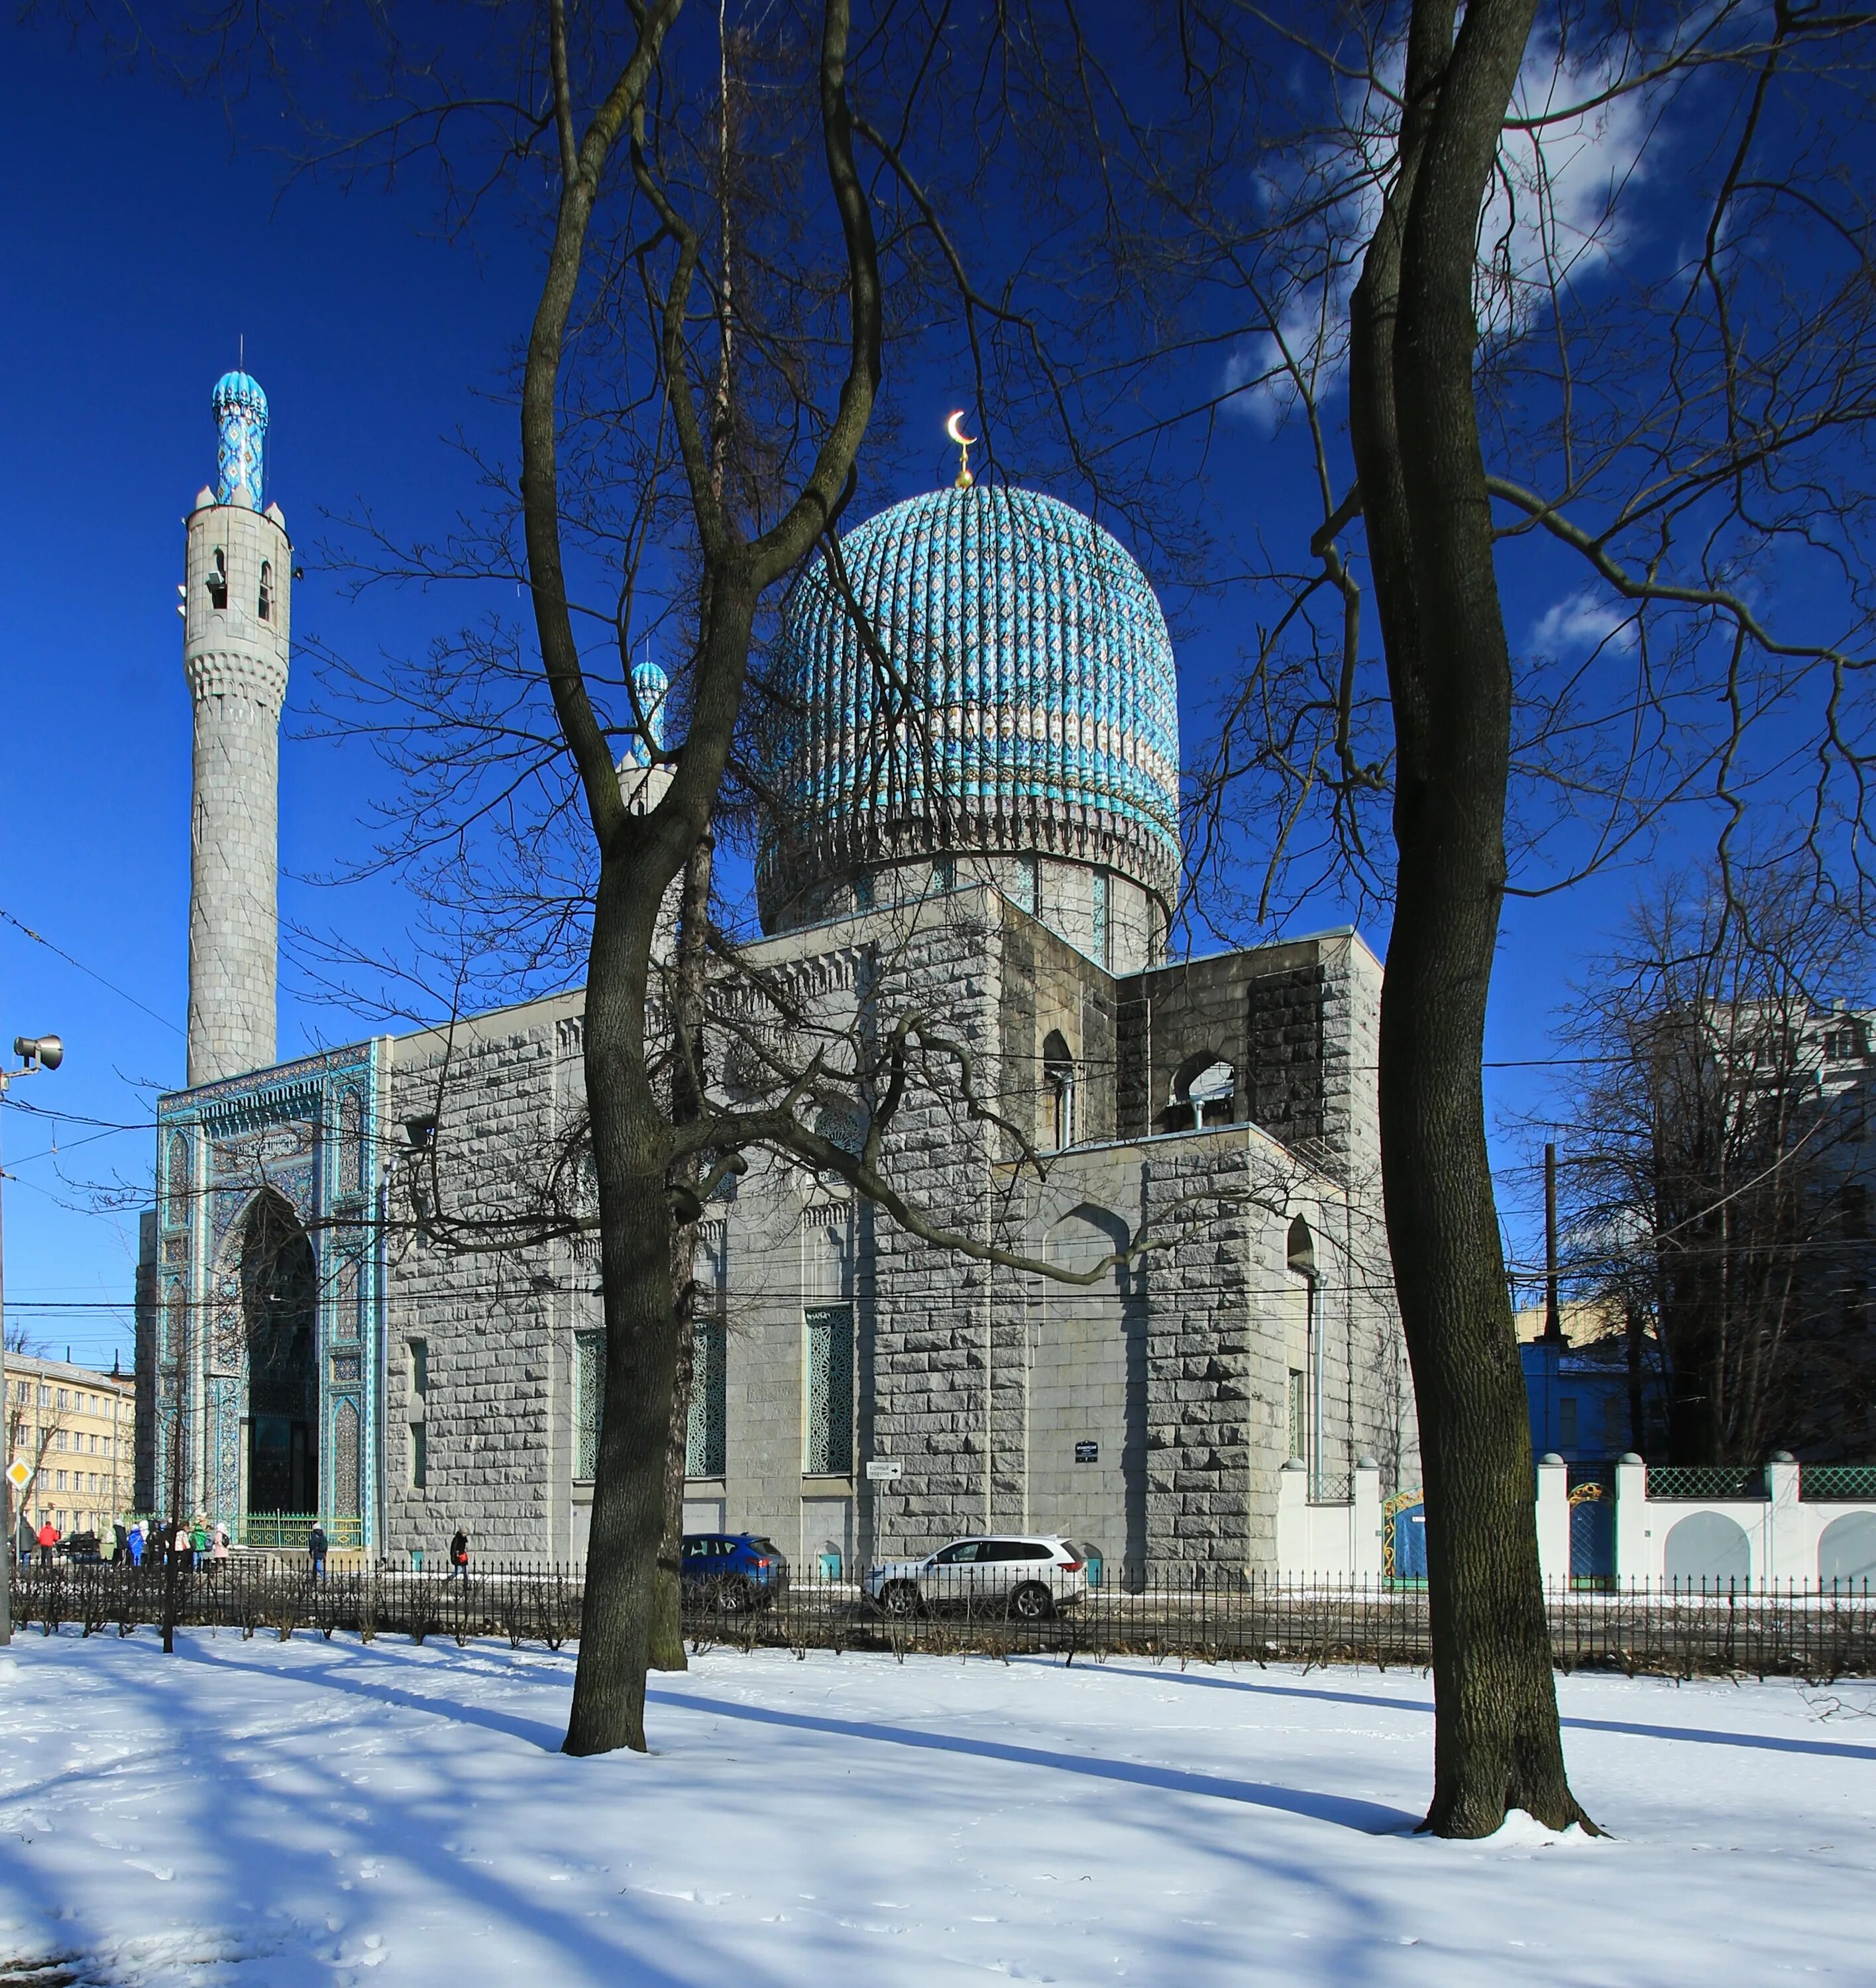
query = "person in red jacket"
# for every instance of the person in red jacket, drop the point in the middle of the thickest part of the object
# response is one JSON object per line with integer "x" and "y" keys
{"x": 49, "y": 1538}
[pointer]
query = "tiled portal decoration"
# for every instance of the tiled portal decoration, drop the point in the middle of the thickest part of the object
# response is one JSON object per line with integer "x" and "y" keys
{"x": 308, "y": 1133}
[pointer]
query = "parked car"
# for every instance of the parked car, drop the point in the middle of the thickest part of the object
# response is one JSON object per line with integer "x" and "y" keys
{"x": 1028, "y": 1578}
{"x": 732, "y": 1571}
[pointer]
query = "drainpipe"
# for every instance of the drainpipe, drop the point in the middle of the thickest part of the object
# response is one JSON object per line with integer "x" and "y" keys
{"x": 1317, "y": 1389}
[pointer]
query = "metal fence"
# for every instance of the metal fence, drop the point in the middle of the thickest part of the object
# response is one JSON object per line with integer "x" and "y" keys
{"x": 1189, "y": 1615}
{"x": 292, "y": 1530}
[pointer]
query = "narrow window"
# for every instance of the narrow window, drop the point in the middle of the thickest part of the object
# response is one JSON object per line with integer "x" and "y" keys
{"x": 1298, "y": 1413}
{"x": 589, "y": 1402}
{"x": 1566, "y": 1422}
{"x": 218, "y": 580}
{"x": 267, "y": 590}
{"x": 705, "y": 1446}
{"x": 419, "y": 1367}
{"x": 830, "y": 1390}
{"x": 1101, "y": 955}
{"x": 419, "y": 1457}
{"x": 1059, "y": 1088}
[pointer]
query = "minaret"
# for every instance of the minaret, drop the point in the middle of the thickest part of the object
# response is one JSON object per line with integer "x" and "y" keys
{"x": 235, "y": 620}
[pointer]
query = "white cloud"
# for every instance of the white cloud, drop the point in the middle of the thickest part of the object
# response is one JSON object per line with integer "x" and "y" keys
{"x": 1582, "y": 621}
{"x": 1552, "y": 218}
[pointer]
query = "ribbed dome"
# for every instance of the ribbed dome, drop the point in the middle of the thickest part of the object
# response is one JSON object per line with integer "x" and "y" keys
{"x": 1043, "y": 700}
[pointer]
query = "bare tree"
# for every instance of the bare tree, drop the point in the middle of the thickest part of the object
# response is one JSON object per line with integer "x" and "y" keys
{"x": 692, "y": 427}
{"x": 1713, "y": 1149}
{"x": 1587, "y": 291}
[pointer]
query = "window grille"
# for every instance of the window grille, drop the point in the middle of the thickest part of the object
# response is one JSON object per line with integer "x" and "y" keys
{"x": 830, "y": 1390}
{"x": 1100, "y": 918}
{"x": 589, "y": 1401}
{"x": 706, "y": 1446}
{"x": 1713, "y": 1480}
{"x": 1298, "y": 1413}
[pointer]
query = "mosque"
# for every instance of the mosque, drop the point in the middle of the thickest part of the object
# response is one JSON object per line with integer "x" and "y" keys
{"x": 983, "y": 827}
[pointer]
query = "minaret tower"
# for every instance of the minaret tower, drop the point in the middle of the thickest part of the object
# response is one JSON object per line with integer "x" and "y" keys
{"x": 236, "y": 623}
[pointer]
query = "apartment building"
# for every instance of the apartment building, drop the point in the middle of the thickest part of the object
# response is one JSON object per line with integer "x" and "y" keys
{"x": 74, "y": 1429}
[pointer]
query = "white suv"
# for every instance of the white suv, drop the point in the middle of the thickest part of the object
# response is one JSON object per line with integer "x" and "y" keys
{"x": 1030, "y": 1577}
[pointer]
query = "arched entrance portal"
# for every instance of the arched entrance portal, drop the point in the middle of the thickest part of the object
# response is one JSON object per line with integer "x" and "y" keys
{"x": 278, "y": 1302}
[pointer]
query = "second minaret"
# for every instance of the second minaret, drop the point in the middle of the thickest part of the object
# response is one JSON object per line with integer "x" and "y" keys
{"x": 236, "y": 626}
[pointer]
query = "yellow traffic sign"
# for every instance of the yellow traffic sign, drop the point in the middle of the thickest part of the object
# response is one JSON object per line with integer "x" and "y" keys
{"x": 17, "y": 1475}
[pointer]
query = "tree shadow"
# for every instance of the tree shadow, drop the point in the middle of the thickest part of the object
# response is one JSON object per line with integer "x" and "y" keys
{"x": 1346, "y": 1812}
{"x": 238, "y": 1829}
{"x": 532, "y": 1732}
{"x": 1840, "y": 1750}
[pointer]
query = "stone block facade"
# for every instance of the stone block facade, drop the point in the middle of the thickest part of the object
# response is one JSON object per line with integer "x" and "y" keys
{"x": 1149, "y": 1411}
{"x": 237, "y": 632}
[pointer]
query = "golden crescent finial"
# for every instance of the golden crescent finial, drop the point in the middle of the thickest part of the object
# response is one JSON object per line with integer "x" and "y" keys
{"x": 954, "y": 428}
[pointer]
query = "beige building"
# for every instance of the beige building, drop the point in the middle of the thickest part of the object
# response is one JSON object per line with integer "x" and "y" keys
{"x": 74, "y": 1429}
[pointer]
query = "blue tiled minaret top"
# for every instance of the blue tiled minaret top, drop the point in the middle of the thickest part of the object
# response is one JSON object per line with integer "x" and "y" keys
{"x": 241, "y": 416}
{"x": 1020, "y": 696}
{"x": 650, "y": 688}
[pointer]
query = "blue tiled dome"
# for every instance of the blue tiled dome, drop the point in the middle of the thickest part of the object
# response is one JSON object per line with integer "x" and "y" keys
{"x": 1039, "y": 681}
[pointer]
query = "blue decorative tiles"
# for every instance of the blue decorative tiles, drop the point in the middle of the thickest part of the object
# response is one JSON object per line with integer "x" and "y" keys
{"x": 1013, "y": 688}
{"x": 307, "y": 1132}
{"x": 241, "y": 416}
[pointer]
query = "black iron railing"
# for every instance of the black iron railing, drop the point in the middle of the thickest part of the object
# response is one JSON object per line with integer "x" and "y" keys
{"x": 1188, "y": 1615}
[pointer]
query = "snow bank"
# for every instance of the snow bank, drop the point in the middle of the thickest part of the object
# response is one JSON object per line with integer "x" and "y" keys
{"x": 306, "y": 1813}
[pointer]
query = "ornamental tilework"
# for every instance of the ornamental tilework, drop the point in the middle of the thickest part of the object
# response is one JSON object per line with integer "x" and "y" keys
{"x": 306, "y": 1133}
{"x": 346, "y": 1453}
{"x": 1031, "y": 642}
{"x": 241, "y": 417}
{"x": 650, "y": 688}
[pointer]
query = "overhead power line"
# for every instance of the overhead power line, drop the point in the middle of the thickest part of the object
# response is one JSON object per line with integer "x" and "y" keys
{"x": 39, "y": 938}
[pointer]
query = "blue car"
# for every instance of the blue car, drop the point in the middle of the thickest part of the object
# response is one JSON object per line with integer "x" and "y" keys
{"x": 732, "y": 1571}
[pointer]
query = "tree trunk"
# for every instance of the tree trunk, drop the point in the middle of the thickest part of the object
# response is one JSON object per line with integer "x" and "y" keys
{"x": 686, "y": 1106}
{"x": 1415, "y": 430}
{"x": 629, "y": 1145}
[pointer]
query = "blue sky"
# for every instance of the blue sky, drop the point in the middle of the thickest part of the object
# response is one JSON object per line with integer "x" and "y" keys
{"x": 136, "y": 263}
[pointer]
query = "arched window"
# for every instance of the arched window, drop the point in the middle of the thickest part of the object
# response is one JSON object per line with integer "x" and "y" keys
{"x": 1059, "y": 1084}
{"x": 218, "y": 579}
{"x": 177, "y": 1183}
{"x": 267, "y": 590}
{"x": 1302, "y": 1248}
{"x": 1207, "y": 1087}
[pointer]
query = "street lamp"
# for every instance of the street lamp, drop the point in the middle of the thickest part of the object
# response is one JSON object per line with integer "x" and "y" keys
{"x": 35, "y": 1053}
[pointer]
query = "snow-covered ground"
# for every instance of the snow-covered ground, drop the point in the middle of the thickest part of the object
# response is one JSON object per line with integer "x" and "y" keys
{"x": 260, "y": 1812}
